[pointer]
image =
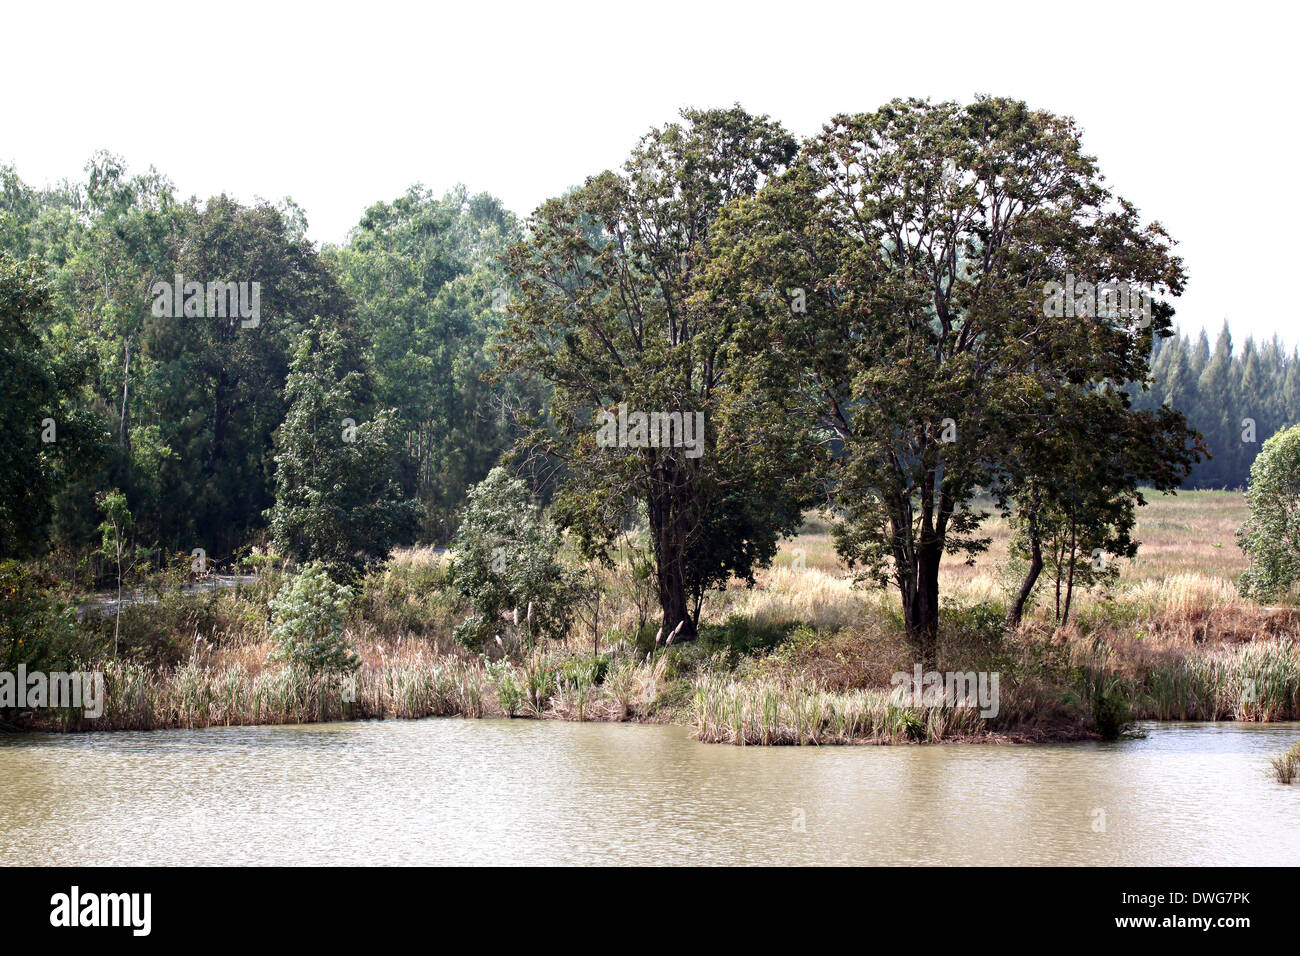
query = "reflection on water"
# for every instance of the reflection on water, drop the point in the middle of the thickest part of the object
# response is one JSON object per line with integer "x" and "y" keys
{"x": 463, "y": 791}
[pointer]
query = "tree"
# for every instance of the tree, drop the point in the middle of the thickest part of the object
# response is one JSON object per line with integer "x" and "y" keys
{"x": 307, "y": 623}
{"x": 50, "y": 436}
{"x": 429, "y": 279}
{"x": 1073, "y": 494}
{"x": 921, "y": 240}
{"x": 606, "y": 315}
{"x": 1271, "y": 535}
{"x": 337, "y": 496}
{"x": 217, "y": 383}
{"x": 116, "y": 545}
{"x": 506, "y": 562}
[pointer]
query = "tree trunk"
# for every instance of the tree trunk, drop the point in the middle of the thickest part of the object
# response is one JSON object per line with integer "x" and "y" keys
{"x": 1017, "y": 611}
{"x": 117, "y": 618}
{"x": 921, "y": 607}
{"x": 126, "y": 385}
{"x": 1069, "y": 587}
{"x": 667, "y": 513}
{"x": 672, "y": 597}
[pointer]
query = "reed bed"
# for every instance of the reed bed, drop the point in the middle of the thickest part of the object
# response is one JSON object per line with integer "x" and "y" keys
{"x": 196, "y": 695}
{"x": 1286, "y": 766}
{"x": 1259, "y": 681}
{"x": 242, "y": 687}
{"x": 798, "y": 713}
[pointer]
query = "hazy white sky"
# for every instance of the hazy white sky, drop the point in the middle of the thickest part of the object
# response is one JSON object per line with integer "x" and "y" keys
{"x": 1190, "y": 108}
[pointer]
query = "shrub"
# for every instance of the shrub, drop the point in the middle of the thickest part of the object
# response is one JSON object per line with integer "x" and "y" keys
{"x": 739, "y": 637}
{"x": 510, "y": 695}
{"x": 307, "y": 622}
{"x": 506, "y": 562}
{"x": 408, "y": 597}
{"x": 37, "y": 628}
{"x": 1270, "y": 534}
{"x": 974, "y": 636}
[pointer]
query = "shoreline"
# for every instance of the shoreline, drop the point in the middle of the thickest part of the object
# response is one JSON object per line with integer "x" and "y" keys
{"x": 1011, "y": 736}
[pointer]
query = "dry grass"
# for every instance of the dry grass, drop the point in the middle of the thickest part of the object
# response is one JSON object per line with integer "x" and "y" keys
{"x": 1180, "y": 589}
{"x": 1172, "y": 637}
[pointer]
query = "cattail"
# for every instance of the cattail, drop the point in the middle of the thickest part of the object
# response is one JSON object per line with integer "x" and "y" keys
{"x": 530, "y": 612}
{"x": 659, "y": 635}
{"x": 675, "y": 630}
{"x": 516, "y": 617}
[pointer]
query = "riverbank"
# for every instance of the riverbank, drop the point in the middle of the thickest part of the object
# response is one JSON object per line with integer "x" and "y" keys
{"x": 759, "y": 700}
{"x": 804, "y": 657}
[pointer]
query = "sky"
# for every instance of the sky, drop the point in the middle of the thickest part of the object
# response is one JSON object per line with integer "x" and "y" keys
{"x": 1189, "y": 108}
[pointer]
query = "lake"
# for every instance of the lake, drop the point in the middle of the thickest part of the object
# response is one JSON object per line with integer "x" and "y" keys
{"x": 546, "y": 792}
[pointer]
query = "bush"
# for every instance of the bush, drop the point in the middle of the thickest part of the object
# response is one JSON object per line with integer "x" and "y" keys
{"x": 307, "y": 622}
{"x": 974, "y": 637}
{"x": 37, "y": 628}
{"x": 1270, "y": 534}
{"x": 510, "y": 694}
{"x": 506, "y": 562}
{"x": 739, "y": 637}
{"x": 409, "y": 597}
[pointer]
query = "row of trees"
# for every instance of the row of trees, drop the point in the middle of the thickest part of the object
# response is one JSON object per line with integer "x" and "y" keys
{"x": 859, "y": 318}
{"x": 1236, "y": 398}
{"x": 184, "y": 414}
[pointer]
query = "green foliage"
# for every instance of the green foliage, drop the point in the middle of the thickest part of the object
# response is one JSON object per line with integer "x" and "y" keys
{"x": 974, "y": 637}
{"x": 50, "y": 436}
{"x": 1271, "y": 535}
{"x": 116, "y": 544}
{"x": 307, "y": 622}
{"x": 606, "y": 314}
{"x": 1110, "y": 708}
{"x": 338, "y": 500}
{"x": 890, "y": 283}
{"x": 409, "y": 598}
{"x": 510, "y": 693}
{"x": 37, "y": 627}
{"x": 1072, "y": 493}
{"x": 1236, "y": 395}
{"x": 739, "y": 637}
{"x": 579, "y": 670}
{"x": 427, "y": 276}
{"x": 219, "y": 462}
{"x": 506, "y": 562}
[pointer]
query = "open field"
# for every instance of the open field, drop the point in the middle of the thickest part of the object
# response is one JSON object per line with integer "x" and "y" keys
{"x": 1184, "y": 574}
{"x": 1190, "y": 532}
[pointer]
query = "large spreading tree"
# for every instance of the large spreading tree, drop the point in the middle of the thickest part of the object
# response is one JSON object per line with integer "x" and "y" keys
{"x": 894, "y": 281}
{"x": 607, "y": 314}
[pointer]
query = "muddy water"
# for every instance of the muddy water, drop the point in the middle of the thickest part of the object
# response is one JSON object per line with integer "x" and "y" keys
{"x": 462, "y": 791}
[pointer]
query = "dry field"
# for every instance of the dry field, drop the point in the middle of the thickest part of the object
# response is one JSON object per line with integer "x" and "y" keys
{"x": 1188, "y": 559}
